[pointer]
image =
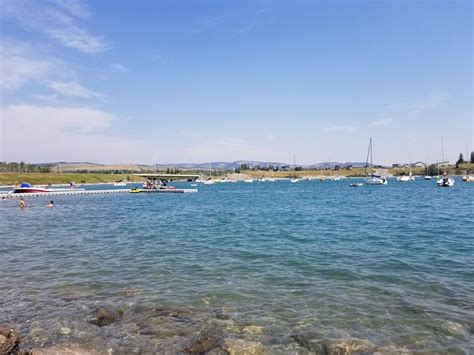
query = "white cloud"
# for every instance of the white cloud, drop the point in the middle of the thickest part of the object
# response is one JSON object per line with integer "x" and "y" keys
{"x": 48, "y": 133}
{"x": 74, "y": 7}
{"x": 429, "y": 102}
{"x": 221, "y": 148}
{"x": 74, "y": 89}
{"x": 381, "y": 122}
{"x": 77, "y": 38}
{"x": 343, "y": 128}
{"x": 19, "y": 64}
{"x": 60, "y": 20}
{"x": 118, "y": 68}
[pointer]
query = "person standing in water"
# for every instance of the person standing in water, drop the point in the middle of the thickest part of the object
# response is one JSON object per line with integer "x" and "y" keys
{"x": 22, "y": 203}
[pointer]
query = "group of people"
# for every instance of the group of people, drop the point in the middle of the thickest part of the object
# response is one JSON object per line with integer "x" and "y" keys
{"x": 23, "y": 203}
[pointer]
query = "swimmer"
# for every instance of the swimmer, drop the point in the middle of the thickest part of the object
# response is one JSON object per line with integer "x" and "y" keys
{"x": 50, "y": 204}
{"x": 22, "y": 203}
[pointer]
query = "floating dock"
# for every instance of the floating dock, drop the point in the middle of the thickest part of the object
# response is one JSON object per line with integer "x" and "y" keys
{"x": 65, "y": 192}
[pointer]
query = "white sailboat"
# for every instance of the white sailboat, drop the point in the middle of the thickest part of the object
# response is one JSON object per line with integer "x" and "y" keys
{"x": 209, "y": 181}
{"x": 121, "y": 182}
{"x": 295, "y": 179}
{"x": 445, "y": 180}
{"x": 373, "y": 179}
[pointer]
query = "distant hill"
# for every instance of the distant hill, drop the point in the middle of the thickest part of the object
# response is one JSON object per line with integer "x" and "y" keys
{"x": 216, "y": 165}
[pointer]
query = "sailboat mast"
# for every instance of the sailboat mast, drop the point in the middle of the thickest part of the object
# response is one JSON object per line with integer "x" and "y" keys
{"x": 442, "y": 149}
{"x": 367, "y": 159}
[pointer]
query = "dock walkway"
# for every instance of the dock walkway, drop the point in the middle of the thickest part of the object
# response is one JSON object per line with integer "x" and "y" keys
{"x": 65, "y": 192}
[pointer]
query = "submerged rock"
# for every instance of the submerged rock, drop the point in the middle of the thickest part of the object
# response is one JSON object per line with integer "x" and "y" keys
{"x": 253, "y": 329}
{"x": 105, "y": 315}
{"x": 349, "y": 346}
{"x": 244, "y": 347}
{"x": 9, "y": 340}
{"x": 335, "y": 346}
{"x": 62, "y": 350}
{"x": 209, "y": 338}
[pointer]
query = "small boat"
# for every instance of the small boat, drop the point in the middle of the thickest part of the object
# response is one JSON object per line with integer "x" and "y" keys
{"x": 376, "y": 180}
{"x": 248, "y": 180}
{"x": 406, "y": 178}
{"x": 295, "y": 180}
{"x": 373, "y": 179}
{"x": 208, "y": 182}
{"x": 120, "y": 183}
{"x": 468, "y": 178}
{"x": 356, "y": 184}
{"x": 135, "y": 190}
{"x": 427, "y": 177}
{"x": 445, "y": 181}
{"x": 26, "y": 188}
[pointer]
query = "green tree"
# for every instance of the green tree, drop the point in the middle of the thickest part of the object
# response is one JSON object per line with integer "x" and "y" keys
{"x": 460, "y": 160}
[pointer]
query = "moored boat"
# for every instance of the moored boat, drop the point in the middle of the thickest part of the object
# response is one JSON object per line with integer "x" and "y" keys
{"x": 373, "y": 179}
{"x": 468, "y": 178}
{"x": 445, "y": 181}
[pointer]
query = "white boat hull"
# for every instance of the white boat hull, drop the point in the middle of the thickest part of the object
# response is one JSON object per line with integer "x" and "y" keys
{"x": 445, "y": 182}
{"x": 375, "y": 181}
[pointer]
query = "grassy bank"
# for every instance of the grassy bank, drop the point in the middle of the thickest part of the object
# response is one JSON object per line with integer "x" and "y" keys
{"x": 61, "y": 178}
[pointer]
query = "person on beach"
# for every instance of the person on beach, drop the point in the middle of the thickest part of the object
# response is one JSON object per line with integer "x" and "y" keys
{"x": 50, "y": 204}
{"x": 22, "y": 203}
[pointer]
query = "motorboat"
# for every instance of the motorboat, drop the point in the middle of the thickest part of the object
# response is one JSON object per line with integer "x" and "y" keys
{"x": 427, "y": 177}
{"x": 445, "y": 181}
{"x": 468, "y": 178}
{"x": 26, "y": 188}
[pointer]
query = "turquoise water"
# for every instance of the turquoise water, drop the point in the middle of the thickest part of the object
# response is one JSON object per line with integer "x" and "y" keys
{"x": 390, "y": 265}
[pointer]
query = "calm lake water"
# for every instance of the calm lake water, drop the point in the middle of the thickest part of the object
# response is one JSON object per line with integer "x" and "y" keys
{"x": 268, "y": 262}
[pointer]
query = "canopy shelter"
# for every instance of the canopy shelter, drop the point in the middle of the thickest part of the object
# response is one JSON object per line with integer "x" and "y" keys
{"x": 169, "y": 177}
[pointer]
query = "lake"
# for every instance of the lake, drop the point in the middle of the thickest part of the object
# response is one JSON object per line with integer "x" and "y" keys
{"x": 293, "y": 268}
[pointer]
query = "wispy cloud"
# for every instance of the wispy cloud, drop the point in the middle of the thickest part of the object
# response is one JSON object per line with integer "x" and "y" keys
{"x": 342, "y": 128}
{"x": 53, "y": 131}
{"x": 221, "y": 148}
{"x": 118, "y": 68}
{"x": 20, "y": 64}
{"x": 161, "y": 59}
{"x": 228, "y": 26}
{"x": 58, "y": 19}
{"x": 381, "y": 122}
{"x": 429, "y": 102}
{"x": 208, "y": 24}
{"x": 74, "y": 89}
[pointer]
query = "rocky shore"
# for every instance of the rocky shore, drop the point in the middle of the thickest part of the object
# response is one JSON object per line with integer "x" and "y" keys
{"x": 150, "y": 330}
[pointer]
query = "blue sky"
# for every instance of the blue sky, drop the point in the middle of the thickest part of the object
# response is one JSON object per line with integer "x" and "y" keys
{"x": 196, "y": 81}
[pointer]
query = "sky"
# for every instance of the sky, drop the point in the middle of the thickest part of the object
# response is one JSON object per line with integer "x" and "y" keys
{"x": 196, "y": 81}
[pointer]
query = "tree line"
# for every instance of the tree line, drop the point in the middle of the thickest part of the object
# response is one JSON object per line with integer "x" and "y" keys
{"x": 22, "y": 167}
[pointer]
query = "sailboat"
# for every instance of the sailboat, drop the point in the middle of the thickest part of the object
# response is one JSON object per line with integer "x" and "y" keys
{"x": 427, "y": 168}
{"x": 209, "y": 181}
{"x": 120, "y": 182}
{"x": 373, "y": 179}
{"x": 445, "y": 180}
{"x": 295, "y": 179}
